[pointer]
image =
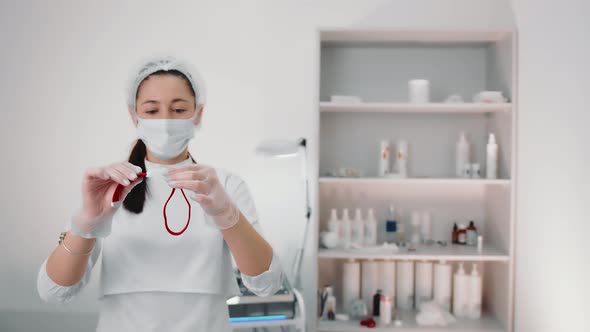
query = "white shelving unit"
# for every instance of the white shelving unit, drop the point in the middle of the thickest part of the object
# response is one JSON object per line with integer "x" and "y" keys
{"x": 431, "y": 253}
{"x": 473, "y": 108}
{"x": 376, "y": 66}
{"x": 485, "y": 324}
{"x": 378, "y": 180}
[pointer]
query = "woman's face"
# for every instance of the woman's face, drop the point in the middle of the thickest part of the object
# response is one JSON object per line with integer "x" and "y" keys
{"x": 165, "y": 97}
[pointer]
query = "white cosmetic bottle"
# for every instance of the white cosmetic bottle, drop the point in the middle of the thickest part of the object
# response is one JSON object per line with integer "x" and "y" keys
{"x": 402, "y": 158}
{"x": 333, "y": 222}
{"x": 358, "y": 229}
{"x": 346, "y": 229}
{"x": 462, "y": 154}
{"x": 370, "y": 228}
{"x": 405, "y": 284}
{"x": 475, "y": 294}
{"x": 423, "y": 289}
{"x": 460, "y": 293}
{"x": 384, "y": 158}
{"x": 492, "y": 158}
{"x": 443, "y": 284}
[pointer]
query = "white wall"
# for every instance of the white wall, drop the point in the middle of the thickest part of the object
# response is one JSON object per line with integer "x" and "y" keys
{"x": 552, "y": 248}
{"x": 64, "y": 64}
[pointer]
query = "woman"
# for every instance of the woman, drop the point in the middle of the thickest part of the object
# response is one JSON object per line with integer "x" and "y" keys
{"x": 157, "y": 272}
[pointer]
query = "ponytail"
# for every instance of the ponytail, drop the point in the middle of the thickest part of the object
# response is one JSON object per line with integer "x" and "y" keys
{"x": 136, "y": 198}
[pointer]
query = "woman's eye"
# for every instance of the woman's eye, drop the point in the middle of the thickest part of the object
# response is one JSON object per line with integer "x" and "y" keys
{"x": 151, "y": 112}
{"x": 179, "y": 110}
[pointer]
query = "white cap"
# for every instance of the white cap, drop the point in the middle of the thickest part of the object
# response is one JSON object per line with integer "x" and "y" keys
{"x": 461, "y": 270}
{"x": 333, "y": 214}
{"x": 153, "y": 63}
{"x": 345, "y": 214}
{"x": 463, "y": 138}
{"x": 492, "y": 139}
{"x": 357, "y": 214}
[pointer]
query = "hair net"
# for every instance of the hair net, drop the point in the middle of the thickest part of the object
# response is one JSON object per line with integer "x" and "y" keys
{"x": 167, "y": 62}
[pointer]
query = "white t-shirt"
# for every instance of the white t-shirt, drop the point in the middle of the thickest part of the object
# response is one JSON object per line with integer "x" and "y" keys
{"x": 153, "y": 281}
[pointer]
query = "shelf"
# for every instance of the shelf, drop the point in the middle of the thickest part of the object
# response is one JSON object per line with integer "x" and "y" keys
{"x": 487, "y": 323}
{"x": 434, "y": 252}
{"x": 442, "y": 108}
{"x": 386, "y": 35}
{"x": 378, "y": 180}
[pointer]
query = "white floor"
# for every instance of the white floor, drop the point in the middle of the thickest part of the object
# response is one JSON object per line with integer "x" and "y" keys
{"x": 21, "y": 321}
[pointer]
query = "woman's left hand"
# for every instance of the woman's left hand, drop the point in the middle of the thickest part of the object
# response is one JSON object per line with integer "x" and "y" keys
{"x": 208, "y": 192}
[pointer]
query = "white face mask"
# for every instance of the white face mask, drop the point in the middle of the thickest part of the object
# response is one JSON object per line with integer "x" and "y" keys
{"x": 166, "y": 138}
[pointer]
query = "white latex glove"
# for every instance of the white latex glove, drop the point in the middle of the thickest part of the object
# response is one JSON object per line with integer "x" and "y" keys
{"x": 94, "y": 218}
{"x": 208, "y": 192}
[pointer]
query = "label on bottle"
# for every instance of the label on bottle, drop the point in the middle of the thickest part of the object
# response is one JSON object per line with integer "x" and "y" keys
{"x": 462, "y": 238}
{"x": 391, "y": 226}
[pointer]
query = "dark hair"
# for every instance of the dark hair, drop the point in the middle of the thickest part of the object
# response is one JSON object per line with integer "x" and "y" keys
{"x": 135, "y": 200}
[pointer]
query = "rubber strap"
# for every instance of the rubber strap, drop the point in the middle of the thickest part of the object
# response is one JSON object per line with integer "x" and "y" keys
{"x": 166, "y": 218}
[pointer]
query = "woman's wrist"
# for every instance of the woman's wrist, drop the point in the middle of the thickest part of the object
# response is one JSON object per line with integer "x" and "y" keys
{"x": 78, "y": 244}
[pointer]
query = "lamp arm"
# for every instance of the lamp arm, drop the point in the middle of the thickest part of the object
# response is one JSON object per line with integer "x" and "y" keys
{"x": 296, "y": 268}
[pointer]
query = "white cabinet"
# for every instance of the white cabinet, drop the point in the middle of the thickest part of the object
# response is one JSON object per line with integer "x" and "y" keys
{"x": 376, "y": 66}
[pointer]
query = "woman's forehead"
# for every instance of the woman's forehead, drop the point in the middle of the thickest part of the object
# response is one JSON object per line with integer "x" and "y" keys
{"x": 160, "y": 88}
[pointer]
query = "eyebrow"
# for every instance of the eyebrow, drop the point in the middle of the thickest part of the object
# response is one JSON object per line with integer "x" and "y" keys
{"x": 156, "y": 102}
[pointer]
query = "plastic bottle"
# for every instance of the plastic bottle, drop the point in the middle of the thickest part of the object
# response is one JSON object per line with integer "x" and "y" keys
{"x": 475, "y": 294}
{"x": 443, "y": 284}
{"x": 461, "y": 154}
{"x": 346, "y": 229}
{"x": 330, "y": 305}
{"x": 405, "y": 284}
{"x": 460, "y": 293}
{"x": 426, "y": 226}
{"x": 471, "y": 234}
{"x": 391, "y": 226}
{"x": 462, "y": 234}
{"x": 358, "y": 229}
{"x": 386, "y": 309}
{"x": 401, "y": 231}
{"x": 415, "y": 232}
{"x": 333, "y": 222}
{"x": 370, "y": 228}
{"x": 385, "y": 150}
{"x": 351, "y": 283}
{"x": 376, "y": 303}
{"x": 369, "y": 281}
{"x": 402, "y": 158}
{"x": 492, "y": 158}
{"x": 423, "y": 283}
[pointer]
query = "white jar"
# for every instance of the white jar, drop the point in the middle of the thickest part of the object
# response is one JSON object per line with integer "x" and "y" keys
{"x": 419, "y": 91}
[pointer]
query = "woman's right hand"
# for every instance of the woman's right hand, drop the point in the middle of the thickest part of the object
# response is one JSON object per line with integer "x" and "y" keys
{"x": 99, "y": 183}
